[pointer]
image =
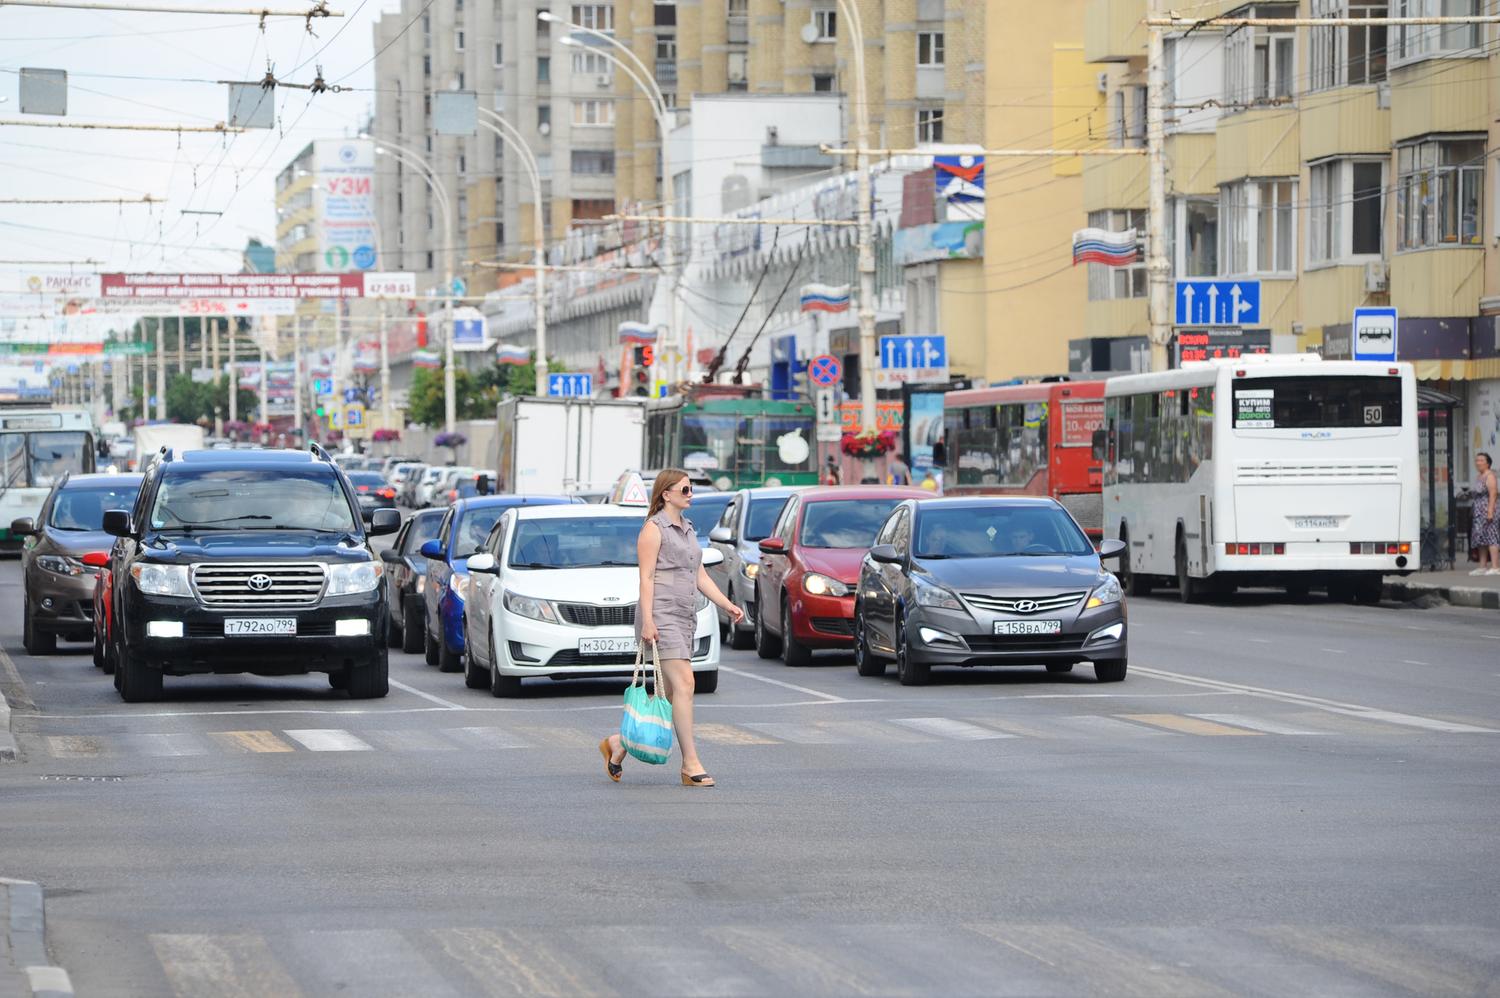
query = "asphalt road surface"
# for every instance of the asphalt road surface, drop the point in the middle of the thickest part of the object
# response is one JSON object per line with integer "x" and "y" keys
{"x": 1280, "y": 799}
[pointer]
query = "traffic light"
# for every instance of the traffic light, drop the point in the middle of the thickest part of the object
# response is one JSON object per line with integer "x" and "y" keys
{"x": 641, "y": 359}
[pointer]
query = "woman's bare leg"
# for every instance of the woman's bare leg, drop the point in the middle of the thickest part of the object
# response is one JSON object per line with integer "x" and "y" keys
{"x": 678, "y": 673}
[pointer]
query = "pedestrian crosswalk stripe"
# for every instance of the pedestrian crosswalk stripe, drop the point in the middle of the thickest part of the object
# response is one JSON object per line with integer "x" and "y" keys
{"x": 251, "y": 741}
{"x": 729, "y": 734}
{"x": 1414, "y": 721}
{"x": 947, "y": 727}
{"x": 1258, "y": 724}
{"x": 563, "y": 737}
{"x": 74, "y": 746}
{"x": 164, "y": 744}
{"x": 485, "y": 738}
{"x": 1188, "y": 725}
{"x": 1095, "y": 724}
{"x": 1378, "y": 955}
{"x": 502, "y": 963}
{"x": 329, "y": 740}
{"x": 803, "y": 733}
{"x": 227, "y": 966}
{"x": 408, "y": 740}
{"x": 1105, "y": 968}
{"x": 808, "y": 969}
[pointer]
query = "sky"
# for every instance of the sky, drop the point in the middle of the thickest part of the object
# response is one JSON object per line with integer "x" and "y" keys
{"x": 137, "y": 68}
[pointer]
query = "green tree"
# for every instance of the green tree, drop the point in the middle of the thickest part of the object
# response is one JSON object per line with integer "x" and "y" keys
{"x": 189, "y": 400}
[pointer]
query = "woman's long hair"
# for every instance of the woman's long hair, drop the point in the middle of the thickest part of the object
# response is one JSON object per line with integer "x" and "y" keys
{"x": 665, "y": 479}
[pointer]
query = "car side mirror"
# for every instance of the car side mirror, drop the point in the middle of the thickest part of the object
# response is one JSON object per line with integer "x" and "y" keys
{"x": 390, "y": 557}
{"x": 383, "y": 521}
{"x": 96, "y": 559}
{"x": 885, "y": 554}
{"x": 713, "y": 556}
{"x": 773, "y": 545}
{"x": 1112, "y": 548}
{"x": 484, "y": 564}
{"x": 23, "y": 527}
{"x": 721, "y": 535}
{"x": 364, "y": 514}
{"x": 433, "y": 550}
{"x": 117, "y": 522}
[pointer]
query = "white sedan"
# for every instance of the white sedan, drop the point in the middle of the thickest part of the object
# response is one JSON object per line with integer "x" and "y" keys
{"x": 553, "y": 593}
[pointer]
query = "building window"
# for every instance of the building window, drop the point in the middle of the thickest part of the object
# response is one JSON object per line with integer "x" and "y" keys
{"x": 930, "y": 125}
{"x": 458, "y": 40}
{"x": 458, "y": 80}
{"x": 1258, "y": 230}
{"x": 463, "y": 164}
{"x": 739, "y": 8}
{"x": 1346, "y": 209}
{"x": 738, "y": 64}
{"x": 929, "y": 48}
{"x": 1347, "y": 56}
{"x": 544, "y": 69}
{"x": 666, "y": 58}
{"x": 544, "y": 118}
{"x": 1425, "y": 41}
{"x": 499, "y": 235}
{"x": 592, "y": 208}
{"x": 665, "y": 14}
{"x": 593, "y": 112}
{"x": 598, "y": 16}
{"x": 429, "y": 259}
{"x": 591, "y": 64}
{"x": 463, "y": 208}
{"x": 1193, "y": 238}
{"x": 822, "y": 83}
{"x": 826, "y": 23}
{"x": 427, "y": 65}
{"x": 1128, "y": 127}
{"x": 1109, "y": 283}
{"x": 1260, "y": 63}
{"x": 499, "y": 56}
{"x": 1438, "y": 193}
{"x": 593, "y": 161}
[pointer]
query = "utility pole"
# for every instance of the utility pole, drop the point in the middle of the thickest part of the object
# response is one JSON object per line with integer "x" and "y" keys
{"x": 297, "y": 371}
{"x": 1158, "y": 267}
{"x": 234, "y": 375}
{"x": 385, "y": 367}
{"x": 181, "y": 344}
{"x": 161, "y": 368}
{"x": 338, "y": 367}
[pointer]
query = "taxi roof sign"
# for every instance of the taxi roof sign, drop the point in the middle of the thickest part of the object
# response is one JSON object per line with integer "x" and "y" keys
{"x": 630, "y": 490}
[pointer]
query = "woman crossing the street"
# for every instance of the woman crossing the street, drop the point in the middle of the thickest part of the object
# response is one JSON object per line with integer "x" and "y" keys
{"x": 672, "y": 575}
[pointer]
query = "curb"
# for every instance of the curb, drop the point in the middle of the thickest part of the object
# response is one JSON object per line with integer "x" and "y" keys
{"x": 26, "y": 935}
{"x": 7, "y": 740}
{"x": 1478, "y": 599}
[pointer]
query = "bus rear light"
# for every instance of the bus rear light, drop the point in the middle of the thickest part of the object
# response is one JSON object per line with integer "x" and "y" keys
{"x": 1232, "y": 548}
{"x": 1380, "y": 547}
{"x": 1278, "y": 549}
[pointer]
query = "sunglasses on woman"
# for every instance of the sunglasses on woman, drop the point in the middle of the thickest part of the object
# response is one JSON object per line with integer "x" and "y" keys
{"x": 686, "y": 490}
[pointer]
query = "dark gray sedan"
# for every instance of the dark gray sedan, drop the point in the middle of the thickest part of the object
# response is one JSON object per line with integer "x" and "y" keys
{"x": 984, "y": 581}
{"x": 748, "y": 520}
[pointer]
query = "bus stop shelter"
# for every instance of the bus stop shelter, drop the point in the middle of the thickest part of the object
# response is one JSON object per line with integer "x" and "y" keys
{"x": 1440, "y": 515}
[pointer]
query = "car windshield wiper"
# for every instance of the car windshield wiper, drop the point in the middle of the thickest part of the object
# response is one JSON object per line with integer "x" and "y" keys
{"x": 82, "y": 530}
{"x": 533, "y": 564}
{"x": 934, "y": 557}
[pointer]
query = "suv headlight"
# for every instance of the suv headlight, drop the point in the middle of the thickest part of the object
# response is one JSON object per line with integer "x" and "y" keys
{"x": 1108, "y": 591}
{"x": 161, "y": 580}
{"x": 60, "y": 565}
{"x": 822, "y": 585}
{"x": 527, "y": 606}
{"x": 751, "y": 570}
{"x": 931, "y": 594}
{"x": 361, "y": 577}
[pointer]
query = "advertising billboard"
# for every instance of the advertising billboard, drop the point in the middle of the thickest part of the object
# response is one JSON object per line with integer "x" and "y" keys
{"x": 344, "y": 202}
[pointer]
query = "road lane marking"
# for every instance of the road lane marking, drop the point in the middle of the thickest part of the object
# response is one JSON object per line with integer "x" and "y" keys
{"x": 503, "y": 964}
{"x": 1258, "y": 724}
{"x": 1320, "y": 703}
{"x": 729, "y": 734}
{"x": 74, "y": 746}
{"x": 804, "y": 733}
{"x": 486, "y": 738}
{"x": 238, "y": 966}
{"x": 328, "y": 740}
{"x": 407, "y": 740}
{"x": 810, "y": 970}
{"x": 169, "y": 744}
{"x": 947, "y": 727}
{"x": 428, "y": 696}
{"x": 1107, "y": 967}
{"x": 250, "y": 741}
{"x": 369, "y": 963}
{"x": 789, "y": 686}
{"x": 1188, "y": 725}
{"x": 1412, "y": 661}
{"x": 1380, "y": 956}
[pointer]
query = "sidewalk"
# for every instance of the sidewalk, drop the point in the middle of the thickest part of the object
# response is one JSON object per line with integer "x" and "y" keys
{"x": 24, "y": 966}
{"x": 1457, "y": 588}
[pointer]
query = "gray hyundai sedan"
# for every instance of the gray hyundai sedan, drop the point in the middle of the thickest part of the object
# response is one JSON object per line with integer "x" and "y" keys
{"x": 985, "y": 581}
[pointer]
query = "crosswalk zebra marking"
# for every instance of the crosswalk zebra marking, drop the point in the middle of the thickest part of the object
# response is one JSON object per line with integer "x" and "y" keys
{"x": 223, "y": 966}
{"x": 1188, "y": 725}
{"x": 1258, "y": 724}
{"x": 250, "y": 741}
{"x": 947, "y": 727}
{"x": 485, "y": 738}
{"x": 328, "y": 740}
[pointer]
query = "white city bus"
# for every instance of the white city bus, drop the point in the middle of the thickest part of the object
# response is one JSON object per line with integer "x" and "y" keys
{"x": 37, "y": 447}
{"x": 1273, "y": 470}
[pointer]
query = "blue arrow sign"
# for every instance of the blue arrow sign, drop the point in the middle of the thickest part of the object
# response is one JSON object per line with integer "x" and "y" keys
{"x": 913, "y": 353}
{"x": 352, "y": 394}
{"x": 322, "y": 386}
{"x": 572, "y": 385}
{"x": 1217, "y": 303}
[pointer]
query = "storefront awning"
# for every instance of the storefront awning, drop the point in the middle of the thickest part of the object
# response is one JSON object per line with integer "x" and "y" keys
{"x": 1431, "y": 398}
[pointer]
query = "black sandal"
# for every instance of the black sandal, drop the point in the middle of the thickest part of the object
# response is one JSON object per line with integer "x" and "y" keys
{"x": 701, "y": 780}
{"x": 610, "y": 767}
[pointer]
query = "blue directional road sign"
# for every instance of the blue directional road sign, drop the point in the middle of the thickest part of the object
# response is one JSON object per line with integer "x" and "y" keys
{"x": 322, "y": 386}
{"x": 1375, "y": 334}
{"x": 1217, "y": 303}
{"x": 913, "y": 353}
{"x": 568, "y": 385}
{"x": 352, "y": 395}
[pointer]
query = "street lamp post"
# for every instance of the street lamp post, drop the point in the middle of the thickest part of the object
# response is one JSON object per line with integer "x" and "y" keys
{"x": 424, "y": 169}
{"x": 508, "y": 134}
{"x": 645, "y": 80}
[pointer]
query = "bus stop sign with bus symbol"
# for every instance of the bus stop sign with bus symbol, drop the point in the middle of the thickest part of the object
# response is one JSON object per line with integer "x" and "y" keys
{"x": 1374, "y": 334}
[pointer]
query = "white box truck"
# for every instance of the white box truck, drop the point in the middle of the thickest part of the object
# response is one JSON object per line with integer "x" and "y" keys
{"x": 553, "y": 446}
{"x": 152, "y": 437}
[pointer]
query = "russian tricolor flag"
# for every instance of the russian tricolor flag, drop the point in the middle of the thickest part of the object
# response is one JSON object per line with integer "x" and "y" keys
{"x": 512, "y": 353}
{"x": 637, "y": 332}
{"x": 825, "y": 298}
{"x": 1113, "y": 249}
{"x": 425, "y": 358}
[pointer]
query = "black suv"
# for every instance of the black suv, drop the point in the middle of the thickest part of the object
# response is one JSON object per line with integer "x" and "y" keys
{"x": 247, "y": 561}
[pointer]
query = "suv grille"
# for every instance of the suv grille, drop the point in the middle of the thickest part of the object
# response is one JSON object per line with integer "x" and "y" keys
{"x": 590, "y": 615}
{"x": 244, "y": 584}
{"x": 1023, "y": 604}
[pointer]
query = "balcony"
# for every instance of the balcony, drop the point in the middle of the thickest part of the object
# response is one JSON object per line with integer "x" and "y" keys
{"x": 1258, "y": 143}
{"x": 1344, "y": 120}
{"x": 1439, "y": 95}
{"x": 739, "y": 30}
{"x": 1113, "y": 32}
{"x": 666, "y": 71}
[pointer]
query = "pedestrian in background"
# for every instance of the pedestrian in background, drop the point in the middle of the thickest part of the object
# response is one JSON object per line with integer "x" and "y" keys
{"x": 831, "y": 473}
{"x": 672, "y": 575}
{"x": 896, "y": 470}
{"x": 1486, "y": 533}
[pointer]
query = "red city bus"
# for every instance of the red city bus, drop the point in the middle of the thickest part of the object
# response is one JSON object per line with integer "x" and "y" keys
{"x": 1037, "y": 439}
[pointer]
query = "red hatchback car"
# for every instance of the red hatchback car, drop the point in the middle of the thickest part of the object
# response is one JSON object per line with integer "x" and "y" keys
{"x": 809, "y": 566}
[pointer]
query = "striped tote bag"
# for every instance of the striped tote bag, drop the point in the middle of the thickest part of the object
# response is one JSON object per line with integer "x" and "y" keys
{"x": 646, "y": 727}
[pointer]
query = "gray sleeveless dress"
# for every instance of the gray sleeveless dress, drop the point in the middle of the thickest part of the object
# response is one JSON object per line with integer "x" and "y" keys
{"x": 675, "y": 588}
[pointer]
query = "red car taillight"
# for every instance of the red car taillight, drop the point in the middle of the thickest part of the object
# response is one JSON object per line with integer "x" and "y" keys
{"x": 387, "y": 493}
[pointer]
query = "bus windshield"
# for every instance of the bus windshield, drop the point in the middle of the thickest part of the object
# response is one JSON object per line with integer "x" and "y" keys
{"x": 1327, "y": 402}
{"x": 39, "y": 459}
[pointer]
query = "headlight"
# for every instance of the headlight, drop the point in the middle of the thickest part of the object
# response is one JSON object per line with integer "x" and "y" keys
{"x": 822, "y": 585}
{"x": 702, "y": 603}
{"x": 751, "y": 570}
{"x": 459, "y": 584}
{"x": 59, "y": 565}
{"x": 346, "y": 580}
{"x": 1108, "y": 591}
{"x": 929, "y": 594}
{"x": 526, "y": 606}
{"x": 161, "y": 580}
{"x": 421, "y": 584}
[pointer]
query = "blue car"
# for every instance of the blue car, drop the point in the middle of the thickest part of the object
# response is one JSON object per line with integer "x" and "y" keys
{"x": 462, "y": 533}
{"x": 705, "y": 511}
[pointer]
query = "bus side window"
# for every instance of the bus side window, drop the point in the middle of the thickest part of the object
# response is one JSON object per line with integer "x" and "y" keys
{"x": 1102, "y": 439}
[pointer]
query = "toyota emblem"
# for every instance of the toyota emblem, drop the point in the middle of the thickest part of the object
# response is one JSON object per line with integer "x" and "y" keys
{"x": 1025, "y": 606}
{"x": 259, "y": 582}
